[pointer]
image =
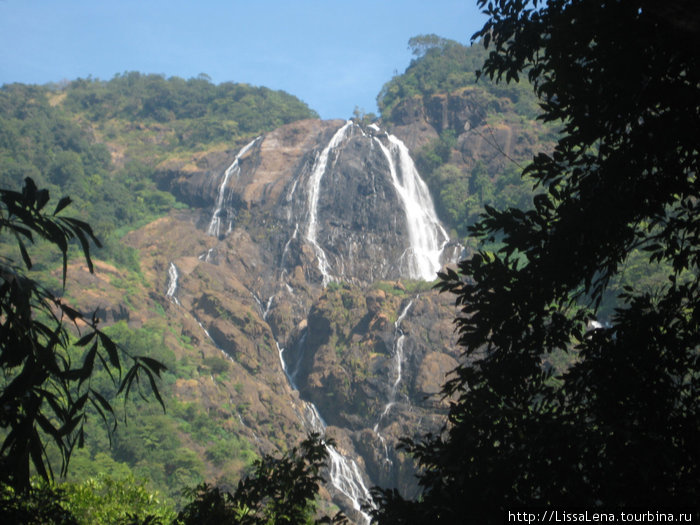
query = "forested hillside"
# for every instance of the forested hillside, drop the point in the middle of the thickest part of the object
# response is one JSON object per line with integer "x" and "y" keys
{"x": 100, "y": 141}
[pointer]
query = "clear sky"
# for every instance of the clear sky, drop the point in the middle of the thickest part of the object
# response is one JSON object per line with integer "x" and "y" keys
{"x": 332, "y": 54}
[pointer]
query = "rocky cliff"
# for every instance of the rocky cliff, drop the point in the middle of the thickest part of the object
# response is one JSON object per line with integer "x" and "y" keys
{"x": 304, "y": 260}
{"x": 489, "y": 128}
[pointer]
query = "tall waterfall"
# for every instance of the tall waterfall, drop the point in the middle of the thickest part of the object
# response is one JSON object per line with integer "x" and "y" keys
{"x": 221, "y": 200}
{"x": 422, "y": 243}
{"x": 319, "y": 169}
{"x": 427, "y": 237}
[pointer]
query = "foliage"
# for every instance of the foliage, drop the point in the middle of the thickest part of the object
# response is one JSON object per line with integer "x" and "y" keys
{"x": 105, "y": 501}
{"x": 172, "y": 450}
{"x": 280, "y": 490}
{"x": 65, "y": 138}
{"x": 443, "y": 66}
{"x": 43, "y": 142}
{"x": 44, "y": 394}
{"x": 620, "y": 426}
{"x": 217, "y": 111}
{"x": 40, "y": 505}
{"x": 462, "y": 194}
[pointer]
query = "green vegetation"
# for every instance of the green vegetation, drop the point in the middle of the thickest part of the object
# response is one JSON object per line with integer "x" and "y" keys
{"x": 99, "y": 141}
{"x": 462, "y": 195}
{"x": 444, "y": 66}
{"x": 204, "y": 112}
{"x": 279, "y": 490}
{"x": 46, "y": 394}
{"x": 166, "y": 449}
{"x": 104, "y": 500}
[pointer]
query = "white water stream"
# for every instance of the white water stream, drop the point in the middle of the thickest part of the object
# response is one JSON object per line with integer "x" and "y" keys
{"x": 221, "y": 200}
{"x": 427, "y": 237}
{"x": 399, "y": 337}
{"x": 420, "y": 260}
{"x": 344, "y": 473}
{"x": 172, "y": 283}
{"x": 317, "y": 172}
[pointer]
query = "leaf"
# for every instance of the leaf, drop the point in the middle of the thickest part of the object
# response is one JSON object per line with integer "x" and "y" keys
{"x": 107, "y": 368}
{"x": 156, "y": 366}
{"x": 23, "y": 251}
{"x": 36, "y": 453}
{"x": 89, "y": 363}
{"x": 65, "y": 201}
{"x": 48, "y": 427}
{"x": 111, "y": 349}
{"x": 42, "y": 198}
{"x": 83, "y": 341}
{"x": 154, "y": 388}
{"x": 78, "y": 405}
{"x": 72, "y": 313}
{"x": 71, "y": 425}
{"x": 126, "y": 382}
{"x": 103, "y": 403}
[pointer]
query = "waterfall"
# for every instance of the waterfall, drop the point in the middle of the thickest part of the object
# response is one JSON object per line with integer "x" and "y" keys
{"x": 264, "y": 309}
{"x": 317, "y": 172}
{"x": 399, "y": 337}
{"x": 206, "y": 255}
{"x": 344, "y": 473}
{"x": 172, "y": 283}
{"x": 345, "y": 476}
{"x": 427, "y": 237}
{"x": 221, "y": 201}
{"x": 285, "y": 251}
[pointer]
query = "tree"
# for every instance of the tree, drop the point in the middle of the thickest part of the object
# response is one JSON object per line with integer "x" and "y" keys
{"x": 45, "y": 396}
{"x": 619, "y": 425}
{"x": 280, "y": 490}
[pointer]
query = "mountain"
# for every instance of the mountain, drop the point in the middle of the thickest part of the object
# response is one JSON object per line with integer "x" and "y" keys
{"x": 292, "y": 271}
{"x": 279, "y": 265}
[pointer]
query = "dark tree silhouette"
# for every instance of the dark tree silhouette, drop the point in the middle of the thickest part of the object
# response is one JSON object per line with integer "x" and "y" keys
{"x": 619, "y": 426}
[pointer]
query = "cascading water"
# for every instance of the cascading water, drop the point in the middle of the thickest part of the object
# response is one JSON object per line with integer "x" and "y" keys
{"x": 319, "y": 169}
{"x": 399, "y": 337}
{"x": 344, "y": 473}
{"x": 221, "y": 200}
{"x": 427, "y": 237}
{"x": 170, "y": 294}
{"x": 172, "y": 283}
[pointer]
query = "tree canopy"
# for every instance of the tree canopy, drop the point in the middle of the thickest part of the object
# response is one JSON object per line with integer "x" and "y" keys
{"x": 618, "y": 425}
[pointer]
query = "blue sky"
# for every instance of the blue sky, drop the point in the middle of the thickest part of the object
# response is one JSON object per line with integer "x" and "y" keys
{"x": 334, "y": 55}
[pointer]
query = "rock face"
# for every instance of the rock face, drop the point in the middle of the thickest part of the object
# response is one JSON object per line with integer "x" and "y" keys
{"x": 303, "y": 259}
{"x": 347, "y": 196}
{"x": 421, "y": 119}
